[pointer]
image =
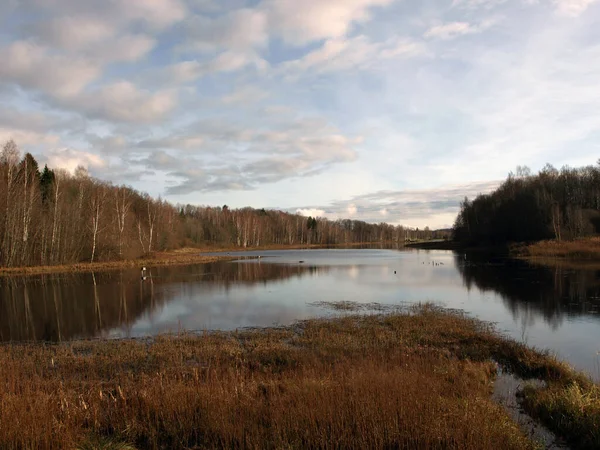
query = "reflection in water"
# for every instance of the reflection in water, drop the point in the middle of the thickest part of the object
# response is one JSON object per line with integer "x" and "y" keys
{"x": 553, "y": 308}
{"x": 530, "y": 292}
{"x": 63, "y": 307}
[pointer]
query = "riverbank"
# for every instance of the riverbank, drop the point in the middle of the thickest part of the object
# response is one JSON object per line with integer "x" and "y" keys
{"x": 458, "y": 247}
{"x": 379, "y": 244}
{"x": 176, "y": 257}
{"x": 587, "y": 249}
{"x": 420, "y": 379}
{"x": 441, "y": 244}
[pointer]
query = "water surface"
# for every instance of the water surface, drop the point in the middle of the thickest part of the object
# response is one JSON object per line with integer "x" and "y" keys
{"x": 550, "y": 308}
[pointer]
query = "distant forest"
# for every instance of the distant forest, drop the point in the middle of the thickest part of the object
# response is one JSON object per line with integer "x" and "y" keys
{"x": 554, "y": 204}
{"x": 51, "y": 217}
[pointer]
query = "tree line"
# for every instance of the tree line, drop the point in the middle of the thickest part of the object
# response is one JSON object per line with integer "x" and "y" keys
{"x": 553, "y": 204}
{"x": 53, "y": 217}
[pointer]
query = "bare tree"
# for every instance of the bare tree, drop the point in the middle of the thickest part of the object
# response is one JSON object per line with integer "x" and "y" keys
{"x": 122, "y": 205}
{"x": 9, "y": 158}
{"x": 97, "y": 200}
{"x": 29, "y": 175}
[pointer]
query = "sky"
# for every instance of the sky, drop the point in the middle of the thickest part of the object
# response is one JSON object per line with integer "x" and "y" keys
{"x": 378, "y": 110}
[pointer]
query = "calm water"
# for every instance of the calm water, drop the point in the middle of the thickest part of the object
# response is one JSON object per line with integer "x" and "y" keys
{"x": 557, "y": 309}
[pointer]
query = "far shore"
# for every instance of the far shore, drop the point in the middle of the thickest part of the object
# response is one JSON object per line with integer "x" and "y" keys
{"x": 437, "y": 244}
{"x": 583, "y": 252}
{"x": 182, "y": 256}
{"x": 172, "y": 258}
{"x": 583, "y": 249}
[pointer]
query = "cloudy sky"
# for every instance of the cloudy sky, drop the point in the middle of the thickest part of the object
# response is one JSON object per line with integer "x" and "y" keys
{"x": 382, "y": 110}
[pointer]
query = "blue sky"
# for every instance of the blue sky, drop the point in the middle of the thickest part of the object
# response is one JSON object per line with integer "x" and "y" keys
{"x": 380, "y": 110}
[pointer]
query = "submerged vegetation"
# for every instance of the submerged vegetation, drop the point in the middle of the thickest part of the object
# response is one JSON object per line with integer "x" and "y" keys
{"x": 421, "y": 379}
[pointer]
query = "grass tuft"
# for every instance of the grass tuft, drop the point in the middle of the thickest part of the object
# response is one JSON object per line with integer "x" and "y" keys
{"x": 419, "y": 379}
{"x": 572, "y": 411}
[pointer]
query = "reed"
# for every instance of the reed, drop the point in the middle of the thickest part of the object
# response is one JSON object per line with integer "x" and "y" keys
{"x": 584, "y": 248}
{"x": 420, "y": 379}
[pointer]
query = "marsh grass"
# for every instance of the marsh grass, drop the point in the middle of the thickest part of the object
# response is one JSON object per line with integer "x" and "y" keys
{"x": 177, "y": 257}
{"x": 350, "y": 306}
{"x": 584, "y": 248}
{"x": 572, "y": 410}
{"x": 414, "y": 380}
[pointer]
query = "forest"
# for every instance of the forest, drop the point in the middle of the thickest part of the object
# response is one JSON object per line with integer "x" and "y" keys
{"x": 52, "y": 217}
{"x": 554, "y": 204}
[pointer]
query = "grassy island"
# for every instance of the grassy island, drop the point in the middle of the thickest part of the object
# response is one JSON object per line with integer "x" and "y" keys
{"x": 419, "y": 379}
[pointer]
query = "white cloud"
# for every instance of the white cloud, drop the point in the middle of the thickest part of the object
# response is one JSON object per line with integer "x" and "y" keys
{"x": 72, "y": 32}
{"x": 99, "y": 38}
{"x": 124, "y": 101}
{"x": 31, "y": 66}
{"x": 450, "y": 30}
{"x": 206, "y": 102}
{"x": 246, "y": 95}
{"x": 357, "y": 52}
{"x": 455, "y": 29}
{"x": 231, "y": 61}
{"x": 127, "y": 48}
{"x": 249, "y": 157}
{"x": 435, "y": 208}
{"x": 573, "y": 8}
{"x": 227, "y": 61}
{"x": 25, "y": 138}
{"x": 311, "y": 20}
{"x": 486, "y": 4}
{"x": 238, "y": 30}
{"x": 69, "y": 158}
{"x": 158, "y": 13}
{"x": 311, "y": 212}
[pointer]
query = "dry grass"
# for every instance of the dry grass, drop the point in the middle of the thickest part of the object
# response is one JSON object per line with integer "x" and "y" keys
{"x": 571, "y": 410}
{"x": 177, "y": 257}
{"x": 585, "y": 248}
{"x": 418, "y": 380}
{"x": 181, "y": 256}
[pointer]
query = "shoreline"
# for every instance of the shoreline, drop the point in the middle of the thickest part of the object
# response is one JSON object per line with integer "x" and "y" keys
{"x": 434, "y": 245}
{"x": 340, "y": 374}
{"x": 584, "y": 253}
{"x": 182, "y": 256}
{"x": 584, "y": 249}
{"x": 174, "y": 258}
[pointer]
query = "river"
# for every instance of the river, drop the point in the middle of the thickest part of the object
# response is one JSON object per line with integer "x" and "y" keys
{"x": 550, "y": 308}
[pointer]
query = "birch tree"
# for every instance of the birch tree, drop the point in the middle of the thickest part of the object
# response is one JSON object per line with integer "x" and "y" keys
{"x": 122, "y": 205}
{"x": 9, "y": 158}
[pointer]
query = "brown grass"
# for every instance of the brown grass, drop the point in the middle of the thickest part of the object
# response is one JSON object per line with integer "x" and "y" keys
{"x": 572, "y": 410}
{"x": 177, "y": 257}
{"x": 585, "y": 248}
{"x": 419, "y": 380}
